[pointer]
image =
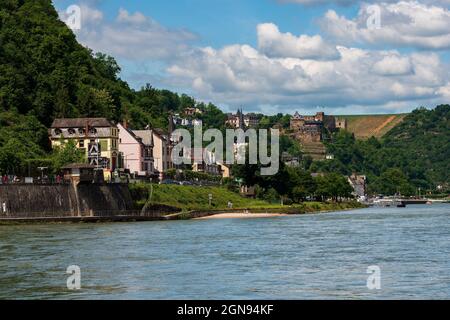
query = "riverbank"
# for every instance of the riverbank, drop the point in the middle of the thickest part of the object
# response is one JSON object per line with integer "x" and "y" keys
{"x": 276, "y": 211}
{"x": 147, "y": 202}
{"x": 217, "y": 198}
{"x": 242, "y": 215}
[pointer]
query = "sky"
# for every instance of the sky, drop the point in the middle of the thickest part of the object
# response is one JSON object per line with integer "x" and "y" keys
{"x": 271, "y": 56}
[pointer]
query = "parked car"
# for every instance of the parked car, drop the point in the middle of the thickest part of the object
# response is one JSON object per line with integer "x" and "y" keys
{"x": 169, "y": 181}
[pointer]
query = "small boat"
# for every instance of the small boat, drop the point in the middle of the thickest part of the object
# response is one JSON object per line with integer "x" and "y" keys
{"x": 401, "y": 205}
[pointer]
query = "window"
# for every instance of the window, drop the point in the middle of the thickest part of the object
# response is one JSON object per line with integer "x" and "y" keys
{"x": 81, "y": 144}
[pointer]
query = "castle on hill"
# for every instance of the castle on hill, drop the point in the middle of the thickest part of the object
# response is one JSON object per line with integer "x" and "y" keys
{"x": 309, "y": 129}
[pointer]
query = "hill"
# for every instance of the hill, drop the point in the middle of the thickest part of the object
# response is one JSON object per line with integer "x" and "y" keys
{"x": 366, "y": 126}
{"x": 46, "y": 74}
{"x": 414, "y": 154}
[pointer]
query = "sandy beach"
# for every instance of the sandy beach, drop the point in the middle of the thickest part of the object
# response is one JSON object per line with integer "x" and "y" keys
{"x": 242, "y": 215}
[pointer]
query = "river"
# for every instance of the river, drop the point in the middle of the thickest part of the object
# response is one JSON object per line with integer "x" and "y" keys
{"x": 322, "y": 256}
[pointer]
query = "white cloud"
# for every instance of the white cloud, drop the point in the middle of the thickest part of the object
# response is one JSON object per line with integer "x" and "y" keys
{"x": 393, "y": 65}
{"x": 403, "y": 24}
{"x": 276, "y": 44}
{"x": 131, "y": 36}
{"x": 445, "y": 91}
{"x": 240, "y": 74}
{"x": 285, "y": 71}
{"x": 136, "y": 18}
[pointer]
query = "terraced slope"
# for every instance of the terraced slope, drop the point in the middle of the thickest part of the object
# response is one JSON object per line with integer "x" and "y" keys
{"x": 316, "y": 150}
{"x": 366, "y": 126}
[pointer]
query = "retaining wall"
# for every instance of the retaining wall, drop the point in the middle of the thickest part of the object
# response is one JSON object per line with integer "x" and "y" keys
{"x": 66, "y": 200}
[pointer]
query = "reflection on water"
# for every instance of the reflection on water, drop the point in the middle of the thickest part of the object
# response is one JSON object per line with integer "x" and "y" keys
{"x": 298, "y": 257}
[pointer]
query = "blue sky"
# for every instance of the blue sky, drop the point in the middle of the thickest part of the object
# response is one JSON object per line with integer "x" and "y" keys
{"x": 273, "y": 56}
{"x": 221, "y": 22}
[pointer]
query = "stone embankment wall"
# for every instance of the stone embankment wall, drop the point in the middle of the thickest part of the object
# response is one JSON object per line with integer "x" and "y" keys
{"x": 66, "y": 200}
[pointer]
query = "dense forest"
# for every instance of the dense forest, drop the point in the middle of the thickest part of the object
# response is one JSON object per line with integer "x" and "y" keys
{"x": 45, "y": 73}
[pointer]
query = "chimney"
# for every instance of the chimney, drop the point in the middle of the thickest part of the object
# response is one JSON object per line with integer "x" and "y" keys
{"x": 125, "y": 123}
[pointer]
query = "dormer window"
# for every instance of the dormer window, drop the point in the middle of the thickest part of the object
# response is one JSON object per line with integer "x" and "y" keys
{"x": 58, "y": 132}
{"x": 81, "y": 131}
{"x": 71, "y": 131}
{"x": 93, "y": 131}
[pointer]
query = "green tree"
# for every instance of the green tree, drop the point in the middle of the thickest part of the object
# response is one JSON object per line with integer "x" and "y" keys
{"x": 66, "y": 154}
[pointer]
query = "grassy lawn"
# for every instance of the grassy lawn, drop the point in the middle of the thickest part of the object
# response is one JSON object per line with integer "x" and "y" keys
{"x": 192, "y": 197}
{"x": 196, "y": 198}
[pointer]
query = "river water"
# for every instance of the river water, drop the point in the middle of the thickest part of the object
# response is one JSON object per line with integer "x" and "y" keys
{"x": 323, "y": 256}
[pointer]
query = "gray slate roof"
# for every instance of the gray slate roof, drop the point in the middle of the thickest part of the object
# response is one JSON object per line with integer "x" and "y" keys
{"x": 145, "y": 135}
{"x": 81, "y": 123}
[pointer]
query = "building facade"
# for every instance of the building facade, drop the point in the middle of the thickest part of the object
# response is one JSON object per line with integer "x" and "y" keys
{"x": 162, "y": 148}
{"x": 97, "y": 137}
{"x": 309, "y": 129}
{"x": 241, "y": 120}
{"x": 137, "y": 151}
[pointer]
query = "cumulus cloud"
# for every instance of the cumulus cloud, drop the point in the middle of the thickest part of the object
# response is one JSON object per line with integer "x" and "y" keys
{"x": 393, "y": 65}
{"x": 276, "y": 44}
{"x": 402, "y": 24}
{"x": 284, "y": 71}
{"x": 131, "y": 36}
{"x": 240, "y": 74}
{"x": 445, "y": 91}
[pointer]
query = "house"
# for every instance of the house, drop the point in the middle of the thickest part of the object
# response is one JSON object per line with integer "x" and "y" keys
{"x": 97, "y": 137}
{"x": 186, "y": 122}
{"x": 204, "y": 161}
{"x": 251, "y": 120}
{"x": 192, "y": 111}
{"x": 80, "y": 173}
{"x": 145, "y": 152}
{"x": 136, "y": 148}
{"x": 241, "y": 120}
{"x": 162, "y": 148}
{"x": 290, "y": 160}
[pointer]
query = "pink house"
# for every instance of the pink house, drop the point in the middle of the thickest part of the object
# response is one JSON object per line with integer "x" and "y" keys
{"x": 137, "y": 152}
